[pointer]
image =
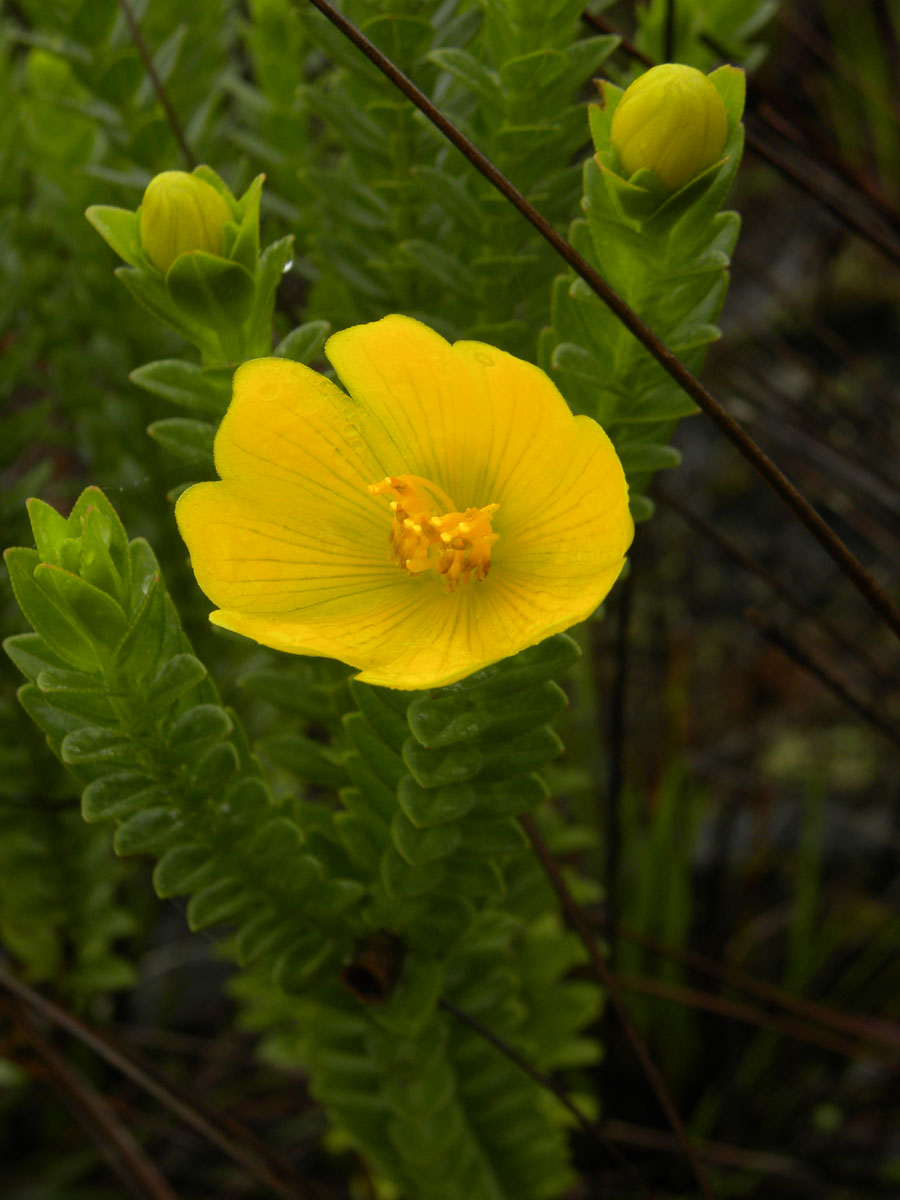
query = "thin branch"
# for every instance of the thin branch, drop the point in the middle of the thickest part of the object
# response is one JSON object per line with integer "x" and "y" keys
{"x": 871, "y": 1029}
{"x": 591, "y": 1128}
{"x": 780, "y": 484}
{"x": 136, "y": 1172}
{"x": 779, "y": 587}
{"x": 171, "y": 117}
{"x": 748, "y": 1014}
{"x": 579, "y": 921}
{"x": 186, "y": 1112}
{"x": 722, "y": 1154}
{"x": 804, "y": 659}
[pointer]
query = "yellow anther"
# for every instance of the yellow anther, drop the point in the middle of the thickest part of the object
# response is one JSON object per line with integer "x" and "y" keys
{"x": 422, "y": 540}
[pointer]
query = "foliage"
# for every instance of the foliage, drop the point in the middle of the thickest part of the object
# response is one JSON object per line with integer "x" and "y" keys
{"x": 355, "y": 850}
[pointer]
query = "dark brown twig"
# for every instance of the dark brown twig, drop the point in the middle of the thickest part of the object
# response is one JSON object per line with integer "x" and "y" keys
{"x": 804, "y": 659}
{"x": 579, "y": 921}
{"x": 591, "y": 1128}
{"x": 748, "y": 1014}
{"x": 872, "y": 1029}
{"x": 171, "y": 117}
{"x": 774, "y": 477}
{"x": 779, "y": 587}
{"x": 137, "y": 1173}
{"x": 186, "y": 1112}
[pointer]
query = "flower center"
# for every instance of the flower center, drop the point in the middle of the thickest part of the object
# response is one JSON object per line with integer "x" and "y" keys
{"x": 427, "y": 532}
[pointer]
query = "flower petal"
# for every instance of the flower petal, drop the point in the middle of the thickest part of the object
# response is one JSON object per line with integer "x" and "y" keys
{"x": 249, "y": 555}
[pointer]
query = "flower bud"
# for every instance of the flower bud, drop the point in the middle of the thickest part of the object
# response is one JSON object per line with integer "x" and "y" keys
{"x": 672, "y": 121}
{"x": 179, "y": 213}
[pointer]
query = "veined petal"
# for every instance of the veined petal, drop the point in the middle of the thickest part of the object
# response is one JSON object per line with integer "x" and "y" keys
{"x": 257, "y": 557}
{"x": 294, "y": 436}
{"x": 297, "y": 552}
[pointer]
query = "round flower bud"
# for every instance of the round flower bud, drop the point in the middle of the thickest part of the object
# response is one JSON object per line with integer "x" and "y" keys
{"x": 179, "y": 213}
{"x": 672, "y": 121}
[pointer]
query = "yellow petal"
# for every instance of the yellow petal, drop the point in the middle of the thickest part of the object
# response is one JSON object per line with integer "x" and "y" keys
{"x": 294, "y": 549}
{"x": 251, "y": 555}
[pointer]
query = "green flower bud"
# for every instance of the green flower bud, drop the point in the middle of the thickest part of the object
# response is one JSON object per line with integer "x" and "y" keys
{"x": 179, "y": 213}
{"x": 672, "y": 121}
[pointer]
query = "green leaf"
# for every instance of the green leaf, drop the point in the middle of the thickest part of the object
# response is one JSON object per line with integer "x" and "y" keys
{"x": 400, "y": 879}
{"x": 31, "y": 655}
{"x": 445, "y": 720}
{"x": 214, "y": 770}
{"x": 296, "y": 967}
{"x": 245, "y": 250}
{"x": 304, "y": 343}
{"x": 495, "y": 837}
{"x": 150, "y": 291}
{"x": 63, "y": 633}
{"x": 521, "y": 755}
{"x": 147, "y": 832}
{"x": 76, "y": 692}
{"x": 188, "y": 439}
{"x": 50, "y": 528}
{"x": 379, "y": 757}
{"x": 173, "y": 679}
{"x": 381, "y": 714}
{"x": 183, "y": 869}
{"x": 203, "y": 390}
{"x": 212, "y": 292}
{"x": 101, "y": 618}
{"x": 434, "y": 768}
{"x": 419, "y": 846}
{"x": 308, "y": 760}
{"x": 217, "y": 902}
{"x": 414, "y": 999}
{"x": 120, "y": 228}
{"x": 426, "y": 807}
{"x": 94, "y": 744}
{"x": 120, "y": 794}
{"x": 195, "y": 730}
{"x": 484, "y": 82}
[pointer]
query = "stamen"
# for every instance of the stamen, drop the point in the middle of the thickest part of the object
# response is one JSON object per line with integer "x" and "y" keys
{"x": 455, "y": 544}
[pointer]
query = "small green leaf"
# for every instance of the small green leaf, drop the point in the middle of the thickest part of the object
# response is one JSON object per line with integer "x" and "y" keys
{"x": 479, "y": 78}
{"x": 54, "y": 622}
{"x": 400, "y": 879}
{"x": 384, "y": 761}
{"x": 202, "y": 390}
{"x": 426, "y": 807}
{"x": 308, "y": 760}
{"x": 93, "y": 744}
{"x": 304, "y": 343}
{"x": 119, "y": 228}
{"x": 200, "y": 727}
{"x": 380, "y": 713}
{"x": 49, "y": 527}
{"x": 419, "y": 846}
{"x": 183, "y": 869}
{"x": 101, "y": 618}
{"x": 217, "y": 902}
{"x": 211, "y": 291}
{"x": 296, "y": 967}
{"x": 173, "y": 679}
{"x": 521, "y": 755}
{"x": 434, "y": 768}
{"x": 31, "y": 655}
{"x": 147, "y": 832}
{"x": 119, "y": 794}
{"x": 189, "y": 439}
{"x": 447, "y": 719}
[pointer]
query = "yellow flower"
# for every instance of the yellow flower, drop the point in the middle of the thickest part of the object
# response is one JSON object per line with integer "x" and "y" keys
{"x": 447, "y": 513}
{"x": 179, "y": 213}
{"x": 672, "y": 121}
